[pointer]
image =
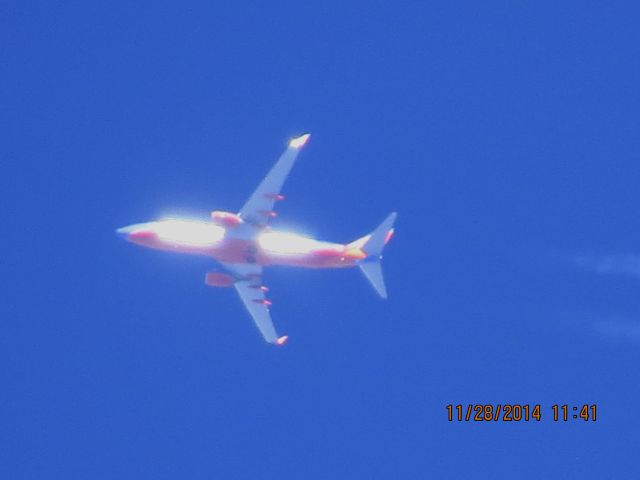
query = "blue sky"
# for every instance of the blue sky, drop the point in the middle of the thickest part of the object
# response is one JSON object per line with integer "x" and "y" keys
{"x": 504, "y": 133}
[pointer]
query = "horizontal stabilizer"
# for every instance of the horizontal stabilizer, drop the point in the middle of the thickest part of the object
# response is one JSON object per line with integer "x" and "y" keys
{"x": 372, "y": 245}
{"x": 378, "y": 238}
{"x": 372, "y": 269}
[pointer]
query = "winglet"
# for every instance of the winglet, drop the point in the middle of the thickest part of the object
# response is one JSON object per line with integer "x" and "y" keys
{"x": 282, "y": 340}
{"x": 298, "y": 142}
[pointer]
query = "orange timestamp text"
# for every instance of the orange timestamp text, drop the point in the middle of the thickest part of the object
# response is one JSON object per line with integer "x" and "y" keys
{"x": 516, "y": 412}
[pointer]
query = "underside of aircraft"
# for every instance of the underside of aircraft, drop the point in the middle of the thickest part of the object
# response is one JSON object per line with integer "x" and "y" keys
{"x": 244, "y": 243}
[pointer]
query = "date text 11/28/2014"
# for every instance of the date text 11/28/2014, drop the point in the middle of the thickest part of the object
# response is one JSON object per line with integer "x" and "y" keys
{"x": 516, "y": 412}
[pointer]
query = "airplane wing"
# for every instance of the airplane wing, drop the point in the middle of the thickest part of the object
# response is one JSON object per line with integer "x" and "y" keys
{"x": 259, "y": 207}
{"x": 252, "y": 293}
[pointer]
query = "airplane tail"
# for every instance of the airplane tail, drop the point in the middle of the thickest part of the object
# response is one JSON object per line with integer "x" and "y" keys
{"x": 373, "y": 245}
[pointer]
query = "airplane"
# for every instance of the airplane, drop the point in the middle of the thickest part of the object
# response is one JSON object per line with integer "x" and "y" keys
{"x": 244, "y": 243}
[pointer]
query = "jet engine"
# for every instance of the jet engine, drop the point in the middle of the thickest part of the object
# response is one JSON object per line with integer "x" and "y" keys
{"x": 225, "y": 219}
{"x": 217, "y": 279}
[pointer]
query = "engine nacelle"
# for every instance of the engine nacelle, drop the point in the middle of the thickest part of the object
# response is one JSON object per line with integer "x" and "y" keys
{"x": 226, "y": 219}
{"x": 217, "y": 279}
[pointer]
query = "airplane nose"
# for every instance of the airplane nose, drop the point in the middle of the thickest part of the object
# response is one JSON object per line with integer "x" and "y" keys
{"x": 137, "y": 233}
{"x": 124, "y": 232}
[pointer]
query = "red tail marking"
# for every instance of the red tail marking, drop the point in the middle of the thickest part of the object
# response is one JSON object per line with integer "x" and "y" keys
{"x": 389, "y": 236}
